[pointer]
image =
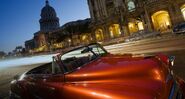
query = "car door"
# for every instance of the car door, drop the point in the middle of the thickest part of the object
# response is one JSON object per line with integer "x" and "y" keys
{"x": 32, "y": 85}
{"x": 46, "y": 86}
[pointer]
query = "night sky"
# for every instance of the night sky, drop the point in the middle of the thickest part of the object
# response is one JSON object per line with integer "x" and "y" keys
{"x": 19, "y": 19}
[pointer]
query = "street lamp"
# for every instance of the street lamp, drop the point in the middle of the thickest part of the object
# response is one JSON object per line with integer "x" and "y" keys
{"x": 69, "y": 40}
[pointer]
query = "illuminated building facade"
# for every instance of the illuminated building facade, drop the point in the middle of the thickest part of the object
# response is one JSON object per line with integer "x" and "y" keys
{"x": 49, "y": 20}
{"x": 52, "y": 37}
{"x": 72, "y": 34}
{"x": 110, "y": 19}
{"x": 48, "y": 23}
{"x": 30, "y": 45}
{"x": 121, "y": 18}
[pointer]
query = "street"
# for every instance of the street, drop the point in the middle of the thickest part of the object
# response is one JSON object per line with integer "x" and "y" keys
{"x": 7, "y": 74}
{"x": 36, "y": 32}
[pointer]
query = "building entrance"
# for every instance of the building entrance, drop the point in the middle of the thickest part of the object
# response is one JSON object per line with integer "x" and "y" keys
{"x": 161, "y": 21}
{"x": 114, "y": 30}
{"x": 183, "y": 11}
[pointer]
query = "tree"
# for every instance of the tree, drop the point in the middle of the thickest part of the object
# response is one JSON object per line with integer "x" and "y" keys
{"x": 2, "y": 54}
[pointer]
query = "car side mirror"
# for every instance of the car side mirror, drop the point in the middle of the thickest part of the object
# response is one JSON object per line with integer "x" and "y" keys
{"x": 16, "y": 77}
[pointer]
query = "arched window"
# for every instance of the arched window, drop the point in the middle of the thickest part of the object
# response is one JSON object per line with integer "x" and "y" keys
{"x": 114, "y": 30}
{"x": 183, "y": 11}
{"x": 131, "y": 5}
{"x": 161, "y": 21}
{"x": 99, "y": 35}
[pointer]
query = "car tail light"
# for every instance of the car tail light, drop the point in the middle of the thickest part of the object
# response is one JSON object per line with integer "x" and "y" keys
{"x": 169, "y": 60}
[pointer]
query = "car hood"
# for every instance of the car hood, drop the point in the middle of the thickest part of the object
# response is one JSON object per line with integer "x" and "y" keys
{"x": 120, "y": 77}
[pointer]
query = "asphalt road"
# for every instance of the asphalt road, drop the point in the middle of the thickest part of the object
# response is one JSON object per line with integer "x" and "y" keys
{"x": 169, "y": 45}
{"x": 7, "y": 74}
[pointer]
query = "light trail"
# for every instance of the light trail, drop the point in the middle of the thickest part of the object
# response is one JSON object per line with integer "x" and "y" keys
{"x": 153, "y": 45}
{"x": 26, "y": 61}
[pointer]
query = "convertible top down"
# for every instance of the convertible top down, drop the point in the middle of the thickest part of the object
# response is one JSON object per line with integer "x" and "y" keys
{"x": 90, "y": 72}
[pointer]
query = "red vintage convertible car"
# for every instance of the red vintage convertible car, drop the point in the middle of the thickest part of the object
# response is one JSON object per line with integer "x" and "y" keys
{"x": 90, "y": 72}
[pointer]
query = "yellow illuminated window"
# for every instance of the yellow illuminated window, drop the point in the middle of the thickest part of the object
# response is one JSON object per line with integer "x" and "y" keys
{"x": 99, "y": 34}
{"x": 114, "y": 30}
{"x": 140, "y": 26}
{"x": 161, "y": 21}
{"x": 183, "y": 10}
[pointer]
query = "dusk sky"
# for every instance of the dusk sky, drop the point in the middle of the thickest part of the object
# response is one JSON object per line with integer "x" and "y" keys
{"x": 19, "y": 19}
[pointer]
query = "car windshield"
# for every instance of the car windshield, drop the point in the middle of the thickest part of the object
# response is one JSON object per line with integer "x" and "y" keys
{"x": 74, "y": 59}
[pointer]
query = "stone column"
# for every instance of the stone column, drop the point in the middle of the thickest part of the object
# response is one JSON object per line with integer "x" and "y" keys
{"x": 143, "y": 21}
{"x": 121, "y": 21}
{"x": 96, "y": 8}
{"x": 106, "y": 32}
{"x": 125, "y": 26}
{"x": 93, "y": 35}
{"x": 126, "y": 30}
{"x": 104, "y": 8}
{"x": 176, "y": 14}
{"x": 91, "y": 9}
{"x": 101, "y": 8}
{"x": 148, "y": 25}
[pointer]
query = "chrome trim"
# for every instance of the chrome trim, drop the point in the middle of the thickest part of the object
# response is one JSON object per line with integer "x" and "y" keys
{"x": 172, "y": 92}
{"x": 175, "y": 91}
{"x": 169, "y": 78}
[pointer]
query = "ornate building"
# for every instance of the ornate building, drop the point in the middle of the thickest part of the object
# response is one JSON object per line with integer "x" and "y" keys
{"x": 122, "y": 18}
{"x": 110, "y": 19}
{"x": 52, "y": 37}
{"x": 48, "y": 23}
{"x": 49, "y": 20}
{"x": 29, "y": 44}
{"x": 72, "y": 34}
